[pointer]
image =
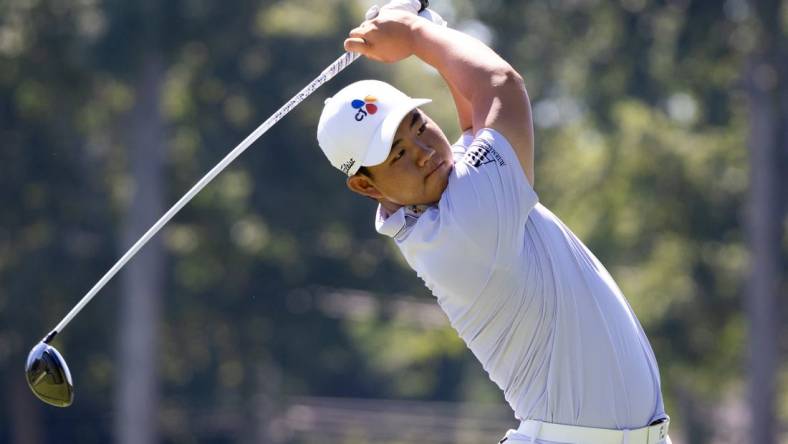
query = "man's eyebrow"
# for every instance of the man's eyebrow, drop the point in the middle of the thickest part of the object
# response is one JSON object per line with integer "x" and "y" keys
{"x": 416, "y": 117}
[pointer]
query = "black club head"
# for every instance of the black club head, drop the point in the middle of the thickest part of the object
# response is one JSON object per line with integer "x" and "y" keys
{"x": 48, "y": 376}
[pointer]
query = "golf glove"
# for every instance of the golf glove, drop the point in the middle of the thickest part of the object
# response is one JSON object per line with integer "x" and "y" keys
{"x": 412, "y": 6}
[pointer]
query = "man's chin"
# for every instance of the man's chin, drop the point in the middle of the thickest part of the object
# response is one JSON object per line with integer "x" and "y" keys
{"x": 444, "y": 182}
{"x": 431, "y": 200}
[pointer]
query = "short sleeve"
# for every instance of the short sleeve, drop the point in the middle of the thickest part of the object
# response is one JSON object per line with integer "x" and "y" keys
{"x": 459, "y": 147}
{"x": 465, "y": 140}
{"x": 488, "y": 196}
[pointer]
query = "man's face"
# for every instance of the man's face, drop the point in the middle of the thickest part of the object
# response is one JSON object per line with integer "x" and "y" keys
{"x": 416, "y": 170}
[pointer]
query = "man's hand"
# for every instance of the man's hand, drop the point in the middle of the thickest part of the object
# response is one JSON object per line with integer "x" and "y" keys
{"x": 387, "y": 38}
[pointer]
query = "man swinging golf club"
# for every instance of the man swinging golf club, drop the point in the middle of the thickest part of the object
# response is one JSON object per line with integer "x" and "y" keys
{"x": 533, "y": 304}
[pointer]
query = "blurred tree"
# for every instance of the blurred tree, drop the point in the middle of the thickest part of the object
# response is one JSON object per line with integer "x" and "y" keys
{"x": 766, "y": 77}
{"x": 277, "y": 288}
{"x": 136, "y": 372}
{"x": 53, "y": 219}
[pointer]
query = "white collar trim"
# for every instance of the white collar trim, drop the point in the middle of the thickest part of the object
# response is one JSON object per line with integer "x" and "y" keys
{"x": 396, "y": 224}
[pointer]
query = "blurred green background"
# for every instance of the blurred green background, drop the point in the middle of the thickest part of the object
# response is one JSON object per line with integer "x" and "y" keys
{"x": 271, "y": 311}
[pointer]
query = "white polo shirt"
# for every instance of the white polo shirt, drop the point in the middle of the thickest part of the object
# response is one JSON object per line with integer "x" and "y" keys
{"x": 534, "y": 305}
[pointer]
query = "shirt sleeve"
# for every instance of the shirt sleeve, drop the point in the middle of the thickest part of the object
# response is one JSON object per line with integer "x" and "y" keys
{"x": 459, "y": 147}
{"x": 465, "y": 139}
{"x": 488, "y": 197}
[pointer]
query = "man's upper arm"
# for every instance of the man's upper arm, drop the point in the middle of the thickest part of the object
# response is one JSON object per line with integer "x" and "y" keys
{"x": 463, "y": 107}
{"x": 495, "y": 91}
{"x": 505, "y": 108}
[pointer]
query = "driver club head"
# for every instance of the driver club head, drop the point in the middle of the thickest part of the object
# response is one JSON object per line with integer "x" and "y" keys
{"x": 48, "y": 376}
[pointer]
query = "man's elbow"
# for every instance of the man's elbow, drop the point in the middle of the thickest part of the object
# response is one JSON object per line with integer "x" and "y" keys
{"x": 507, "y": 79}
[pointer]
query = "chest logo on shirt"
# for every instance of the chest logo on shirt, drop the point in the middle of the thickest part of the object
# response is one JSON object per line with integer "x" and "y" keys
{"x": 481, "y": 153}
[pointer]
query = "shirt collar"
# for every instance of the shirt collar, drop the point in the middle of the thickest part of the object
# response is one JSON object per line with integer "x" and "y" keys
{"x": 395, "y": 224}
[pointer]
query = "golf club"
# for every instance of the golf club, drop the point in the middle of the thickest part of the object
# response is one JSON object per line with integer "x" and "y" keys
{"x": 46, "y": 371}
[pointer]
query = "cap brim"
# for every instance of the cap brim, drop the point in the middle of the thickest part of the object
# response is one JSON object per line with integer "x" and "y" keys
{"x": 379, "y": 148}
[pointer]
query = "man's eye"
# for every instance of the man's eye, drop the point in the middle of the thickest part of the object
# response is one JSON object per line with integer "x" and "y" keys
{"x": 422, "y": 128}
{"x": 398, "y": 155}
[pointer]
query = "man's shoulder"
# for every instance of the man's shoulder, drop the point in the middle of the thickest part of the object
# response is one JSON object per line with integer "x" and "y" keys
{"x": 462, "y": 143}
{"x": 485, "y": 189}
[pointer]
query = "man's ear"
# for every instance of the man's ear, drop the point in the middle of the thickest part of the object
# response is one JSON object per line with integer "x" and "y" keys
{"x": 361, "y": 184}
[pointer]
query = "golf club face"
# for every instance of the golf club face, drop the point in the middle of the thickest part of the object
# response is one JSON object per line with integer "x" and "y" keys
{"x": 48, "y": 376}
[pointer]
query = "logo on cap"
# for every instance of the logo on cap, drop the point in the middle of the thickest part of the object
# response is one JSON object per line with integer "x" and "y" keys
{"x": 364, "y": 107}
{"x": 345, "y": 167}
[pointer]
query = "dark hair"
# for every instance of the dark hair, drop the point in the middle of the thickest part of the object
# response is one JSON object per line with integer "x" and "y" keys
{"x": 365, "y": 171}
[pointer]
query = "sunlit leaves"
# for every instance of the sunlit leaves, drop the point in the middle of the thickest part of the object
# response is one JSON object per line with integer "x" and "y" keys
{"x": 406, "y": 355}
{"x": 298, "y": 18}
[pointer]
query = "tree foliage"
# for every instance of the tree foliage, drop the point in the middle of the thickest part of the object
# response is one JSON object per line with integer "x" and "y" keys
{"x": 277, "y": 285}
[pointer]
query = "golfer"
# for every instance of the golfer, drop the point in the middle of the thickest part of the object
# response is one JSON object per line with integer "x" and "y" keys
{"x": 533, "y": 304}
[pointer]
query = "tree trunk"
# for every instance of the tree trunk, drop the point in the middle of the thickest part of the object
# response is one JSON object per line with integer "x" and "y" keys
{"x": 137, "y": 395}
{"x": 763, "y": 224}
{"x": 265, "y": 404}
{"x": 25, "y": 410}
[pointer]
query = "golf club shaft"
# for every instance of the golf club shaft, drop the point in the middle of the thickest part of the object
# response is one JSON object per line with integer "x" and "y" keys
{"x": 338, "y": 65}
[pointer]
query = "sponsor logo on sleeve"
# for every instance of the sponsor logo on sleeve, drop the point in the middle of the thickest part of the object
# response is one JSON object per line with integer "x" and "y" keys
{"x": 481, "y": 153}
{"x": 364, "y": 107}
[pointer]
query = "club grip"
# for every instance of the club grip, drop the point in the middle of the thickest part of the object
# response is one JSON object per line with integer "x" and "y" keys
{"x": 424, "y": 4}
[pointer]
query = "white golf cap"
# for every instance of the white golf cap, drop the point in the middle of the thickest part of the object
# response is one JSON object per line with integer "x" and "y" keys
{"x": 358, "y": 124}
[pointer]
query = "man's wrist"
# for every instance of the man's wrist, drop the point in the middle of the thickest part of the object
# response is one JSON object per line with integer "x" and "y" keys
{"x": 417, "y": 32}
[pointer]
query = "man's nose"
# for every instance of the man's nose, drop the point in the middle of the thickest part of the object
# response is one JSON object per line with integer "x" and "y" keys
{"x": 425, "y": 153}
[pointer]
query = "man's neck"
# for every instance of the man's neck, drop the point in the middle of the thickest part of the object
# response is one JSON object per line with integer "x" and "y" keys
{"x": 389, "y": 207}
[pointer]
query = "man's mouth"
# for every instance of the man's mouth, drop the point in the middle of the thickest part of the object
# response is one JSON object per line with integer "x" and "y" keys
{"x": 436, "y": 168}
